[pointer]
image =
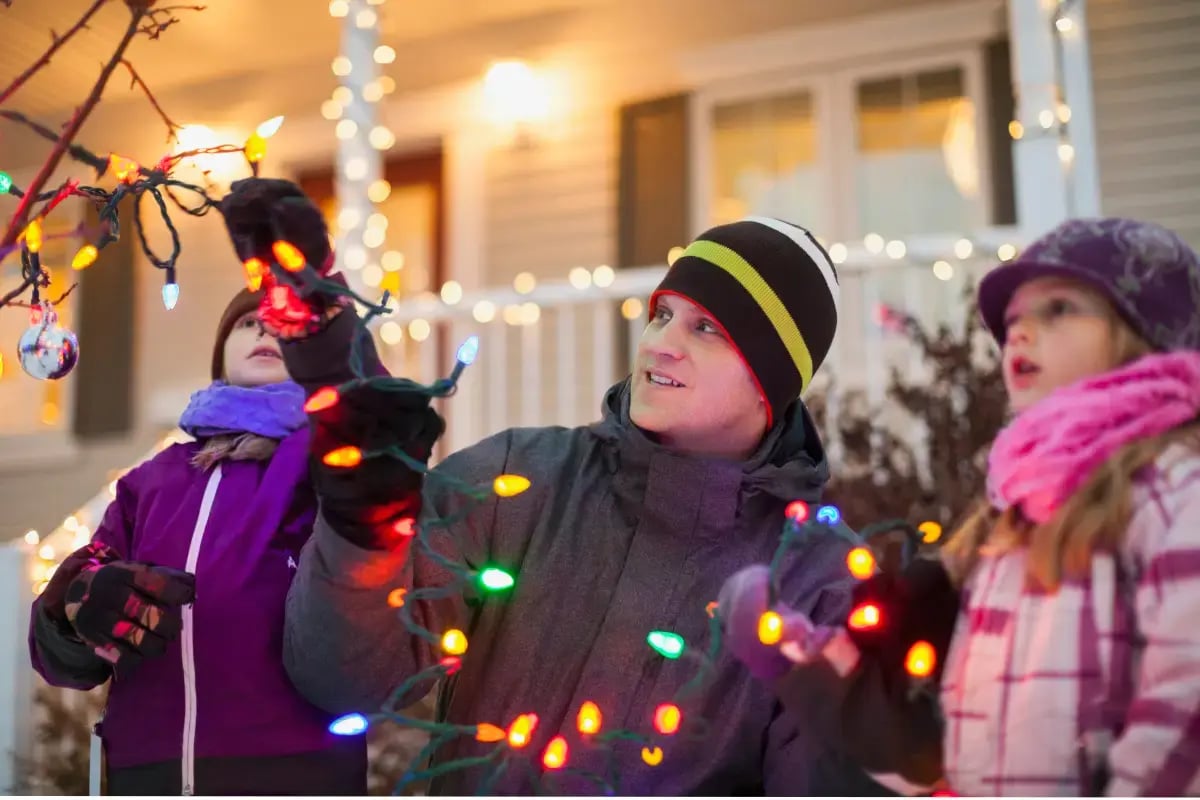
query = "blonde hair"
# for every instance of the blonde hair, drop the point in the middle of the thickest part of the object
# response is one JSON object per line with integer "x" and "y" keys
{"x": 1093, "y": 519}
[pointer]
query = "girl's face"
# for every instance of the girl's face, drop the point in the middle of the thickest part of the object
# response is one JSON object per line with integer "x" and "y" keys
{"x": 252, "y": 356}
{"x": 1058, "y": 331}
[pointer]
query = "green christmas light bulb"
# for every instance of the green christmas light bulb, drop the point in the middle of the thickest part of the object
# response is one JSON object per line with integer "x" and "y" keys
{"x": 5, "y": 182}
{"x": 495, "y": 579}
{"x": 666, "y": 644}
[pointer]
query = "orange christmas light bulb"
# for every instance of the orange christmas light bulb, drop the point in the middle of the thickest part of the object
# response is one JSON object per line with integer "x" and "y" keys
{"x": 652, "y": 755}
{"x": 865, "y": 616}
{"x": 667, "y": 718}
{"x": 521, "y": 730}
{"x": 486, "y": 732}
{"x": 590, "y": 718}
{"x": 861, "y": 563}
{"x": 395, "y": 597}
{"x": 344, "y": 457}
{"x": 555, "y": 756}
{"x": 921, "y": 660}
{"x": 288, "y": 256}
{"x": 321, "y": 400}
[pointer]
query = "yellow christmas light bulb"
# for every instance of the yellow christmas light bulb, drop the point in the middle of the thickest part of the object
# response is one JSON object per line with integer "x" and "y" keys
{"x": 930, "y": 531}
{"x": 255, "y": 148}
{"x": 123, "y": 169}
{"x": 770, "y": 628}
{"x": 510, "y": 485}
{"x": 861, "y": 563}
{"x": 85, "y": 257}
{"x": 33, "y": 236}
{"x": 590, "y": 718}
{"x": 652, "y": 756}
{"x": 454, "y": 642}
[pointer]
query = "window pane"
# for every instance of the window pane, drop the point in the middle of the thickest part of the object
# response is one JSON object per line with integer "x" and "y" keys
{"x": 917, "y": 162}
{"x": 765, "y": 160}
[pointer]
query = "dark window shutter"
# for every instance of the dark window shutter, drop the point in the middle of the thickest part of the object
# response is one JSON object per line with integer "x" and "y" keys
{"x": 652, "y": 188}
{"x": 105, "y": 326}
{"x": 1000, "y": 110}
{"x": 653, "y": 182}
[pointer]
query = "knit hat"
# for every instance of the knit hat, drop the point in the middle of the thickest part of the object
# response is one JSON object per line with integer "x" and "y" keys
{"x": 242, "y": 302}
{"x": 1148, "y": 273}
{"x": 775, "y": 292}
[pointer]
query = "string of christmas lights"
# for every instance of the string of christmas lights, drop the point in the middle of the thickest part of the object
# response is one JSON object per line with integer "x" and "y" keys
{"x": 46, "y": 349}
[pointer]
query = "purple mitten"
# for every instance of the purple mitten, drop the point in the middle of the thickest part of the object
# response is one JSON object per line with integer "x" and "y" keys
{"x": 741, "y": 604}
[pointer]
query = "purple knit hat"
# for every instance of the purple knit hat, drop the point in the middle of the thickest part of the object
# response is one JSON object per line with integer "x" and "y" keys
{"x": 1149, "y": 274}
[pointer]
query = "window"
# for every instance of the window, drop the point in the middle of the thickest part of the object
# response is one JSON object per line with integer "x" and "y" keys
{"x": 895, "y": 150}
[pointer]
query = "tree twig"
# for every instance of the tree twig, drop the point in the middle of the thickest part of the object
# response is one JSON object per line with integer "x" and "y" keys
{"x": 136, "y": 80}
{"x": 21, "y": 216}
{"x": 58, "y": 42}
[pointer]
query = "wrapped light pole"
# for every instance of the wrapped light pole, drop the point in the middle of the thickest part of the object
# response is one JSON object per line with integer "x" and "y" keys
{"x": 361, "y": 232}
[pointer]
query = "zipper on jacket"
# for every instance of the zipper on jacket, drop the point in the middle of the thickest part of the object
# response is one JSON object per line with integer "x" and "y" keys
{"x": 188, "y": 640}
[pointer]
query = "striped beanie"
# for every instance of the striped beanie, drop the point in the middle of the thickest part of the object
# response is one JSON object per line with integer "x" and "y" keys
{"x": 773, "y": 289}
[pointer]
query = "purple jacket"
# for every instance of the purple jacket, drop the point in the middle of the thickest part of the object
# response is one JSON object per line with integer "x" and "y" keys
{"x": 221, "y": 689}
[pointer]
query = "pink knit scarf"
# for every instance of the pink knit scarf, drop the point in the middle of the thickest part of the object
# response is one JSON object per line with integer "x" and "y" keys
{"x": 1040, "y": 458}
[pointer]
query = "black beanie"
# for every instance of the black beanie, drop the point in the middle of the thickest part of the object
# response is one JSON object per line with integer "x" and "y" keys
{"x": 242, "y": 302}
{"x": 774, "y": 290}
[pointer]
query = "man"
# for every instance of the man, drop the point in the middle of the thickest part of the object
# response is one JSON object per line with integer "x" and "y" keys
{"x": 630, "y": 525}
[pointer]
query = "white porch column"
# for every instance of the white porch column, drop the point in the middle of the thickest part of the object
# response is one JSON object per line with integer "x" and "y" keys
{"x": 1076, "y": 64}
{"x": 16, "y": 675}
{"x": 1039, "y": 172}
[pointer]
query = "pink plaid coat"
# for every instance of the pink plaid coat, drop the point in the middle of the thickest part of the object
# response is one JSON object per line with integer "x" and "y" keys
{"x": 1042, "y": 692}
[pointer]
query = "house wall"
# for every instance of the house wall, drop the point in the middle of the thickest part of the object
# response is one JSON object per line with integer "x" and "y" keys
{"x": 542, "y": 208}
{"x": 1146, "y": 86}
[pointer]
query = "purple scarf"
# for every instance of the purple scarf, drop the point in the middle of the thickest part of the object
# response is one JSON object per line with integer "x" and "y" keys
{"x": 274, "y": 410}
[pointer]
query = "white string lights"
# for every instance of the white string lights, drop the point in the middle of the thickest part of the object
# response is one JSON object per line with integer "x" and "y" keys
{"x": 359, "y": 178}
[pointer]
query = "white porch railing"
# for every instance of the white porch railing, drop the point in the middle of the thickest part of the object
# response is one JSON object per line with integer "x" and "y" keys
{"x": 546, "y": 357}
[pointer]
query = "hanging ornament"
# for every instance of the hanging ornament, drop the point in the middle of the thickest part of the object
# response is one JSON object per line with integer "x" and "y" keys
{"x": 47, "y": 350}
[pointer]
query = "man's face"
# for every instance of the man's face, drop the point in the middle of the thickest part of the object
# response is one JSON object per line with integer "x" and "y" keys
{"x": 690, "y": 387}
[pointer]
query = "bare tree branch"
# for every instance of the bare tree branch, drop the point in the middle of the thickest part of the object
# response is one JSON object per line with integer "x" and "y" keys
{"x": 58, "y": 41}
{"x": 136, "y": 80}
{"x": 21, "y": 217}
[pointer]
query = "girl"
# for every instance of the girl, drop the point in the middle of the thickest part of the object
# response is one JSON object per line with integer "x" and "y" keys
{"x": 199, "y": 701}
{"x": 1073, "y": 664}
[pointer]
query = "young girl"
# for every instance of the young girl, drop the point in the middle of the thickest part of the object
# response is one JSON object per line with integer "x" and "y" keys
{"x": 179, "y": 598}
{"x": 1073, "y": 666}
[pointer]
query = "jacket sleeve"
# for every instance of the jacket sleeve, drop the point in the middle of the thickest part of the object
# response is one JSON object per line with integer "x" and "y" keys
{"x": 1158, "y": 753}
{"x": 345, "y": 647}
{"x": 801, "y": 761}
{"x": 57, "y": 654}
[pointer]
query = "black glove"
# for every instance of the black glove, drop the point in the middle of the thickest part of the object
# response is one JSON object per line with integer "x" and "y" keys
{"x": 124, "y": 610}
{"x": 258, "y": 211}
{"x": 374, "y": 504}
{"x": 916, "y": 604}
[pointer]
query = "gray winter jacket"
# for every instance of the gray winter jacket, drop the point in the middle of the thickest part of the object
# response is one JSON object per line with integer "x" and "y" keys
{"x": 616, "y": 537}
